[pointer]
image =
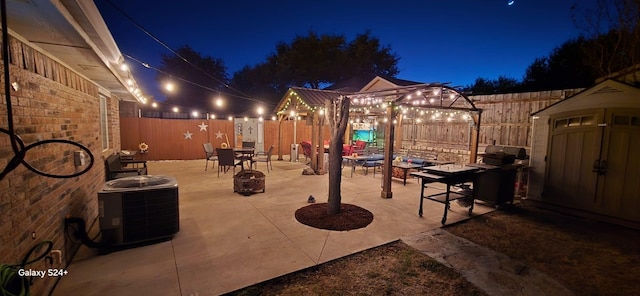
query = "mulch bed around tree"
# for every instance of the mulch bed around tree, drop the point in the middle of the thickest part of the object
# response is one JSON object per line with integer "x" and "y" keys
{"x": 350, "y": 217}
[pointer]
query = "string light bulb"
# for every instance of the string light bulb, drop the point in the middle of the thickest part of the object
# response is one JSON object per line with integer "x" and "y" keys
{"x": 169, "y": 86}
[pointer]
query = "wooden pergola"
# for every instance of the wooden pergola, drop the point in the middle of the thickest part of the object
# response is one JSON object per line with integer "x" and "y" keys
{"x": 391, "y": 104}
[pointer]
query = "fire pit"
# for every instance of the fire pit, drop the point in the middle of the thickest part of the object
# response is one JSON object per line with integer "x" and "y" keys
{"x": 247, "y": 182}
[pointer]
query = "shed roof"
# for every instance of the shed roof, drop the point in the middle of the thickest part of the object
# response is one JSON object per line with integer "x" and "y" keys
{"x": 606, "y": 94}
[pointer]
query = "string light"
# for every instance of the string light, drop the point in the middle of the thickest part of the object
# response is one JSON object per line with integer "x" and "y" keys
{"x": 169, "y": 86}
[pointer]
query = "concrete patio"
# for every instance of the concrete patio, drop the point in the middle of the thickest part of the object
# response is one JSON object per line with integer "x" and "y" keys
{"x": 228, "y": 241}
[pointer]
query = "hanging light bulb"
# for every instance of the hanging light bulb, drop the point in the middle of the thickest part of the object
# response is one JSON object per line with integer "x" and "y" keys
{"x": 169, "y": 86}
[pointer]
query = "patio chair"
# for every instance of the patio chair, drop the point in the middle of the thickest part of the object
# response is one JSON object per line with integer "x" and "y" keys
{"x": 263, "y": 157}
{"x": 359, "y": 147}
{"x": 209, "y": 154}
{"x": 306, "y": 150}
{"x": 347, "y": 150}
{"x": 226, "y": 159}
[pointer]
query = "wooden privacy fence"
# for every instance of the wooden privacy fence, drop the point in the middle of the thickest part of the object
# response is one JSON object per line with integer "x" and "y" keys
{"x": 166, "y": 137}
{"x": 506, "y": 119}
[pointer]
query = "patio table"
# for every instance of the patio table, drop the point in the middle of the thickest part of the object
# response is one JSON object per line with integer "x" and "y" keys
{"x": 244, "y": 154}
{"x": 449, "y": 175}
{"x": 355, "y": 159}
{"x": 439, "y": 162}
{"x": 405, "y": 167}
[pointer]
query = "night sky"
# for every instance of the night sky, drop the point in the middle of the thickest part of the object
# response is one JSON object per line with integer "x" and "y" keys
{"x": 437, "y": 41}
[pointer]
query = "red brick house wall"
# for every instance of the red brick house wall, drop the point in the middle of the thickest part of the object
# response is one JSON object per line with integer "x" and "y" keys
{"x": 53, "y": 102}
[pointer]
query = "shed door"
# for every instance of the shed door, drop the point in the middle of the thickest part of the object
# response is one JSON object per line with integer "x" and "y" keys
{"x": 594, "y": 162}
{"x": 619, "y": 184}
{"x": 573, "y": 149}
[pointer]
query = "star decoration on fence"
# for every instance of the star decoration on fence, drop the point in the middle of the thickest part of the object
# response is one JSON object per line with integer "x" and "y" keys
{"x": 203, "y": 127}
{"x": 188, "y": 135}
{"x": 219, "y": 135}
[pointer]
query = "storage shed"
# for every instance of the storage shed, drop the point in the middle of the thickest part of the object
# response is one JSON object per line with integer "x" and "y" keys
{"x": 585, "y": 155}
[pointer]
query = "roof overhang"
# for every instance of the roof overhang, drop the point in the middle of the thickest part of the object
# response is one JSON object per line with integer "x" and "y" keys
{"x": 73, "y": 33}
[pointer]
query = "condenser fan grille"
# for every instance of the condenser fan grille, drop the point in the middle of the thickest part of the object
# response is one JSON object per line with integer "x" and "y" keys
{"x": 137, "y": 182}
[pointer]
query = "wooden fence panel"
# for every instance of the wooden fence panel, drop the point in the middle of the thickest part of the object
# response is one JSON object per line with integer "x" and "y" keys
{"x": 506, "y": 119}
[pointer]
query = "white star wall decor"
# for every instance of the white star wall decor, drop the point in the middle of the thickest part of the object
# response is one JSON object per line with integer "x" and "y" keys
{"x": 219, "y": 135}
{"x": 188, "y": 135}
{"x": 203, "y": 127}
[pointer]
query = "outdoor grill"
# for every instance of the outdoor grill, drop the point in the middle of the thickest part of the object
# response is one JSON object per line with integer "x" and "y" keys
{"x": 497, "y": 185}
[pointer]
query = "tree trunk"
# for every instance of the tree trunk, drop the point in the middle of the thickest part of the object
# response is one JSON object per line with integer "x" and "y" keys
{"x": 337, "y": 114}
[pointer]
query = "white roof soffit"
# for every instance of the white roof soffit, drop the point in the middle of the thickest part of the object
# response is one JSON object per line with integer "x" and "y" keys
{"x": 73, "y": 32}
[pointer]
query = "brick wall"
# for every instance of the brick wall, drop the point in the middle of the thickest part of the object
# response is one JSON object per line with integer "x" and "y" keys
{"x": 52, "y": 103}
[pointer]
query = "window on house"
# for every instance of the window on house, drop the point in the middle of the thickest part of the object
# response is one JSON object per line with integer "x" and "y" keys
{"x": 104, "y": 123}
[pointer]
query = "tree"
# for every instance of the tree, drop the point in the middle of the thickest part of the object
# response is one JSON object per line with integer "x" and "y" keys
{"x": 313, "y": 61}
{"x": 613, "y": 29}
{"x": 564, "y": 67}
{"x": 366, "y": 57}
{"x": 197, "y": 78}
{"x": 484, "y": 86}
{"x": 337, "y": 114}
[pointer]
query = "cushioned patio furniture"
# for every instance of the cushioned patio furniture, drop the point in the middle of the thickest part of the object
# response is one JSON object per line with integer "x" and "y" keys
{"x": 210, "y": 155}
{"x": 347, "y": 150}
{"x": 373, "y": 161}
{"x": 306, "y": 149}
{"x": 359, "y": 147}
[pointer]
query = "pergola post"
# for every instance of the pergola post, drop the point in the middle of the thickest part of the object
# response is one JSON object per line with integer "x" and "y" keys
{"x": 280, "y": 122}
{"x": 387, "y": 168}
{"x": 475, "y": 135}
{"x": 314, "y": 141}
{"x": 320, "y": 131}
{"x": 398, "y": 128}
